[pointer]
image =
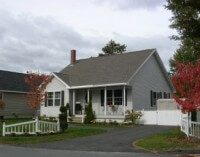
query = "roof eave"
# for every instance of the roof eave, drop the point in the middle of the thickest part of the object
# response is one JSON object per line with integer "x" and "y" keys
{"x": 9, "y": 91}
{"x": 66, "y": 85}
{"x": 100, "y": 85}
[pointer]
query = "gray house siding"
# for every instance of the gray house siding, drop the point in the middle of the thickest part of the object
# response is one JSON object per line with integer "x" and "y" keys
{"x": 150, "y": 77}
{"x": 16, "y": 104}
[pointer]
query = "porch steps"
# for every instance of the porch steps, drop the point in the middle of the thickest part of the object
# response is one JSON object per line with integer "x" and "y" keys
{"x": 76, "y": 120}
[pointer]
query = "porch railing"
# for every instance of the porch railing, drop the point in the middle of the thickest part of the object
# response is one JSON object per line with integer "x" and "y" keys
{"x": 190, "y": 128}
{"x": 31, "y": 127}
{"x": 194, "y": 129}
{"x": 184, "y": 126}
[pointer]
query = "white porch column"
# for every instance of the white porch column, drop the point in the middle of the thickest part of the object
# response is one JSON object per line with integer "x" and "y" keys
{"x": 124, "y": 101}
{"x": 105, "y": 100}
{"x": 74, "y": 102}
{"x": 88, "y": 95}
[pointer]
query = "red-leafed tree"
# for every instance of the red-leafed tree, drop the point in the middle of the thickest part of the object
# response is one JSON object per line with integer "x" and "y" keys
{"x": 36, "y": 83}
{"x": 187, "y": 84}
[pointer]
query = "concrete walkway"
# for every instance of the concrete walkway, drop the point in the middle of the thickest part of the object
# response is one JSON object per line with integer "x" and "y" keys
{"x": 115, "y": 140}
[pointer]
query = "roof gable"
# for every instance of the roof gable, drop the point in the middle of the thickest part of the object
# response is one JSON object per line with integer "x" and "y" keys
{"x": 104, "y": 70}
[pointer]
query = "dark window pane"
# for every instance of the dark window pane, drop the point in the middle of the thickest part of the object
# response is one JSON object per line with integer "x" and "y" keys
{"x": 109, "y": 93}
{"x": 50, "y": 102}
{"x": 118, "y": 97}
{"x": 50, "y": 94}
{"x": 118, "y": 93}
{"x": 57, "y": 94}
{"x": 57, "y": 102}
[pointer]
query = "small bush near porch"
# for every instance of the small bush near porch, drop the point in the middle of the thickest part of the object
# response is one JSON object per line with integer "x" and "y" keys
{"x": 171, "y": 140}
{"x": 72, "y": 132}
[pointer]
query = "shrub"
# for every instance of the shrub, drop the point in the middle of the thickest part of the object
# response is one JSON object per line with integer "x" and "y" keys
{"x": 133, "y": 116}
{"x": 89, "y": 114}
{"x": 68, "y": 108}
{"x": 63, "y": 118}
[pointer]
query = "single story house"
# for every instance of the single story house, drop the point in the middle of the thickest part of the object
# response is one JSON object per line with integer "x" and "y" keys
{"x": 12, "y": 93}
{"x": 113, "y": 83}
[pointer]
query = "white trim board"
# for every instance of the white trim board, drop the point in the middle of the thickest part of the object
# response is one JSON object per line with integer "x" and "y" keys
{"x": 101, "y": 85}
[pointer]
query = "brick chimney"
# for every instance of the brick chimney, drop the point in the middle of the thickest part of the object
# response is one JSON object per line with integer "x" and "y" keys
{"x": 73, "y": 56}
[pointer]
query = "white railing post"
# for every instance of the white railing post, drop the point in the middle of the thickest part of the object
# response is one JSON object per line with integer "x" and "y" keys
{"x": 83, "y": 112}
{"x": 4, "y": 129}
{"x": 188, "y": 125}
{"x": 36, "y": 124}
{"x": 58, "y": 125}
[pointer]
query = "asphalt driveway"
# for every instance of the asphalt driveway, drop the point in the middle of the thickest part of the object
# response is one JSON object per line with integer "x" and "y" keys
{"x": 115, "y": 140}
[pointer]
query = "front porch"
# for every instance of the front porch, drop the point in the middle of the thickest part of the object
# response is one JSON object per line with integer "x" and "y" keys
{"x": 107, "y": 102}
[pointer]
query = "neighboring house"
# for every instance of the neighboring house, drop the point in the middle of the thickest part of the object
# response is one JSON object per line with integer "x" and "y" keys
{"x": 113, "y": 83}
{"x": 12, "y": 92}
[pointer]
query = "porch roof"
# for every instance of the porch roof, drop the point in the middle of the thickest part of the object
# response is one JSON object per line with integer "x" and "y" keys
{"x": 111, "y": 69}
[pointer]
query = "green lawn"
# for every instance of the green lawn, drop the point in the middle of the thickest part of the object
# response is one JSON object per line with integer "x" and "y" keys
{"x": 72, "y": 132}
{"x": 168, "y": 141}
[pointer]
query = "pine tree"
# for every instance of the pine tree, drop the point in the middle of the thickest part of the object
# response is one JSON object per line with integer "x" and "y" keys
{"x": 113, "y": 48}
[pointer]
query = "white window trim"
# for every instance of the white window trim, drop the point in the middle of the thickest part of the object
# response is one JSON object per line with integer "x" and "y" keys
{"x": 50, "y": 98}
{"x": 57, "y": 98}
{"x": 113, "y": 96}
{"x": 53, "y": 98}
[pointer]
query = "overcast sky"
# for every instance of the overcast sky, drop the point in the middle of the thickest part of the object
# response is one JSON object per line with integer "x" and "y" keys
{"x": 38, "y": 35}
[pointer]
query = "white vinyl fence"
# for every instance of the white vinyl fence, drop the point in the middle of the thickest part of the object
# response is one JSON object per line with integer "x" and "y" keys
{"x": 161, "y": 117}
{"x": 31, "y": 127}
{"x": 190, "y": 128}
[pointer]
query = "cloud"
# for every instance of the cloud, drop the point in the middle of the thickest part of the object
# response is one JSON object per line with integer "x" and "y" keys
{"x": 38, "y": 44}
{"x": 131, "y": 4}
{"x": 43, "y": 44}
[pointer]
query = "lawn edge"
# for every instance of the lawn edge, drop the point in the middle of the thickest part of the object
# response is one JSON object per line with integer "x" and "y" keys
{"x": 141, "y": 148}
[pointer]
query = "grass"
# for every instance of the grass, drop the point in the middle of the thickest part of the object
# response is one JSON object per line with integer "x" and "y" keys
{"x": 167, "y": 141}
{"x": 71, "y": 132}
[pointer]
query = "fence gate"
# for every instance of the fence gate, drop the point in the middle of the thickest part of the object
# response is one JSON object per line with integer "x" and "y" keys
{"x": 169, "y": 117}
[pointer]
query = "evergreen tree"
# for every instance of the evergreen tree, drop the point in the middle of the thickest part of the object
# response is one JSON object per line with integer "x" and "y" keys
{"x": 113, "y": 48}
{"x": 89, "y": 114}
{"x": 63, "y": 118}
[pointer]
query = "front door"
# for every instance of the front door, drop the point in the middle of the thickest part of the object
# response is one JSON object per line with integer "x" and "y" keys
{"x": 78, "y": 108}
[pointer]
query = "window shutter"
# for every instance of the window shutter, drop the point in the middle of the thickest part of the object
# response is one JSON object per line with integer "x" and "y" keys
{"x": 165, "y": 95}
{"x": 151, "y": 98}
{"x": 160, "y": 95}
{"x": 86, "y": 97}
{"x": 45, "y": 100}
{"x": 62, "y": 98}
{"x": 102, "y": 97}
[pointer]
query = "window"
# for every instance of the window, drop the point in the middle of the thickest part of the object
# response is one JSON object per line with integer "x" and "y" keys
{"x": 167, "y": 95}
{"x": 50, "y": 98}
{"x": 114, "y": 97}
{"x": 158, "y": 95}
{"x": 57, "y": 99}
{"x": 118, "y": 97}
{"x": 109, "y": 97}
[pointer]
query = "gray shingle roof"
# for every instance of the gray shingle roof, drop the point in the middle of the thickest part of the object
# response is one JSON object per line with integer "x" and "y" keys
{"x": 12, "y": 81}
{"x": 105, "y": 69}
